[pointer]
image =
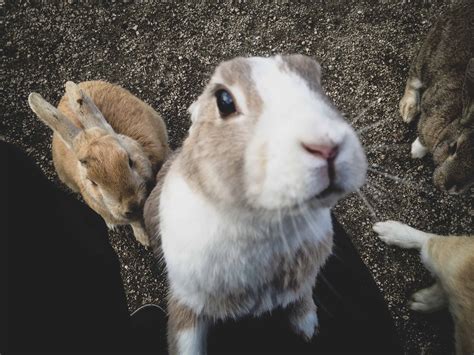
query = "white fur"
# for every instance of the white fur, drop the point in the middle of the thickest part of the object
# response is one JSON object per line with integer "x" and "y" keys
{"x": 418, "y": 150}
{"x": 402, "y": 235}
{"x": 209, "y": 249}
{"x": 192, "y": 341}
{"x": 307, "y": 324}
{"x": 213, "y": 249}
{"x": 429, "y": 299}
{"x": 416, "y": 83}
{"x": 294, "y": 114}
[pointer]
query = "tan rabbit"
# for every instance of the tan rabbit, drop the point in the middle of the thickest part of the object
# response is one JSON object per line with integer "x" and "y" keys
{"x": 440, "y": 90}
{"x": 242, "y": 211}
{"x": 451, "y": 260}
{"x": 107, "y": 145}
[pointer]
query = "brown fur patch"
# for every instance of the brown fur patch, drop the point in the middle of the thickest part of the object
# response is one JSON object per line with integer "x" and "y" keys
{"x": 212, "y": 158}
{"x": 238, "y": 72}
{"x": 180, "y": 318}
{"x": 290, "y": 274}
{"x": 453, "y": 262}
{"x": 308, "y": 69}
{"x": 127, "y": 115}
{"x": 151, "y": 211}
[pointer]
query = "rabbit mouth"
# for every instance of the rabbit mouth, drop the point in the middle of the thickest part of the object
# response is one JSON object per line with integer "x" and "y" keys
{"x": 331, "y": 189}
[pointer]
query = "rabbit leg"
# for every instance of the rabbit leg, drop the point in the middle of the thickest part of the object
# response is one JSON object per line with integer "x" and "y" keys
{"x": 402, "y": 235}
{"x": 187, "y": 332}
{"x": 418, "y": 150}
{"x": 303, "y": 317}
{"x": 140, "y": 233}
{"x": 410, "y": 102}
{"x": 429, "y": 299}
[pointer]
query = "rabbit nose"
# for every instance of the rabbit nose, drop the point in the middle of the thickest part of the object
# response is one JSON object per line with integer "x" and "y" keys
{"x": 133, "y": 210}
{"x": 325, "y": 151}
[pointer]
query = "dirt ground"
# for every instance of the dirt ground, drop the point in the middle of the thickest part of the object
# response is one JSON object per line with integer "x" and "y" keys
{"x": 165, "y": 51}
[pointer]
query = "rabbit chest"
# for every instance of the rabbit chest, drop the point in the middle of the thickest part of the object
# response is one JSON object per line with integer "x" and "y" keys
{"x": 222, "y": 265}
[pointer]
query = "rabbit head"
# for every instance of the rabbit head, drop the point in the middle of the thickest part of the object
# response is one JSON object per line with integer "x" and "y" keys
{"x": 455, "y": 152}
{"x": 113, "y": 169}
{"x": 264, "y": 135}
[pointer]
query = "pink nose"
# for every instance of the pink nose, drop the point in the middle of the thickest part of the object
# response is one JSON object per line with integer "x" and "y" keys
{"x": 321, "y": 150}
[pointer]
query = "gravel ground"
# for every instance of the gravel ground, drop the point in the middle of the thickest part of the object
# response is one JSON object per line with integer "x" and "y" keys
{"x": 165, "y": 51}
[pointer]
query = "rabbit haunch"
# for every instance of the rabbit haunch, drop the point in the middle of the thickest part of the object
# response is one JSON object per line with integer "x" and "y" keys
{"x": 107, "y": 145}
{"x": 241, "y": 211}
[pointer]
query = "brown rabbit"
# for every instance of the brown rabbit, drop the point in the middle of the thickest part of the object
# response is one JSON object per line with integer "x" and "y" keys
{"x": 107, "y": 145}
{"x": 440, "y": 90}
{"x": 451, "y": 260}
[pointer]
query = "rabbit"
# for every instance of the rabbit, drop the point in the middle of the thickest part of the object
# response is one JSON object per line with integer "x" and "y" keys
{"x": 440, "y": 91}
{"x": 451, "y": 260}
{"x": 107, "y": 145}
{"x": 241, "y": 213}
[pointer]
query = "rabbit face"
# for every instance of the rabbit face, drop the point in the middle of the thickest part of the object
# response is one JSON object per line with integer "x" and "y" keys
{"x": 456, "y": 172}
{"x": 265, "y": 135}
{"x": 455, "y": 153}
{"x": 115, "y": 172}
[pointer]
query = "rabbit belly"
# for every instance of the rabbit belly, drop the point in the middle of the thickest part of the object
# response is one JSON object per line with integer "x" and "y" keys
{"x": 223, "y": 268}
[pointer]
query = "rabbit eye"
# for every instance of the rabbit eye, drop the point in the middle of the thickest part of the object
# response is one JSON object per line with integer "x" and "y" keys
{"x": 130, "y": 162}
{"x": 93, "y": 183}
{"x": 453, "y": 147}
{"x": 225, "y": 102}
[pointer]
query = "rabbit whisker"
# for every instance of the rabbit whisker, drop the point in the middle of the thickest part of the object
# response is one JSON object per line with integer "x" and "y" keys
{"x": 376, "y": 147}
{"x": 328, "y": 284}
{"x": 367, "y": 203}
{"x": 356, "y": 119}
{"x": 373, "y": 186}
{"x": 398, "y": 180}
{"x": 282, "y": 233}
{"x": 307, "y": 216}
{"x": 373, "y": 125}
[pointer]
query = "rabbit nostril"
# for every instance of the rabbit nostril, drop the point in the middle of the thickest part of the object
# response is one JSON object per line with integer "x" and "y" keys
{"x": 321, "y": 150}
{"x": 133, "y": 211}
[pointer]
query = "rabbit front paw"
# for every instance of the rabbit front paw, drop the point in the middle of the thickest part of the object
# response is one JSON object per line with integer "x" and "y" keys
{"x": 140, "y": 234}
{"x": 410, "y": 102}
{"x": 418, "y": 150}
{"x": 400, "y": 234}
{"x": 306, "y": 325}
{"x": 428, "y": 299}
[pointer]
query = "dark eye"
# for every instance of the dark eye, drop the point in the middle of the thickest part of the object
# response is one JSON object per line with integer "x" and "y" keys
{"x": 93, "y": 183}
{"x": 130, "y": 162}
{"x": 453, "y": 147}
{"x": 225, "y": 102}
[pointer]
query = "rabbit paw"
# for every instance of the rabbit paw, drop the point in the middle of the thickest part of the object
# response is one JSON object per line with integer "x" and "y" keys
{"x": 141, "y": 235}
{"x": 409, "y": 104}
{"x": 399, "y": 234}
{"x": 306, "y": 325}
{"x": 418, "y": 150}
{"x": 428, "y": 299}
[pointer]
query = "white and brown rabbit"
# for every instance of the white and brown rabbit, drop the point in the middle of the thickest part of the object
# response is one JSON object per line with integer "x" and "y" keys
{"x": 440, "y": 90}
{"x": 242, "y": 210}
{"x": 451, "y": 260}
{"x": 107, "y": 145}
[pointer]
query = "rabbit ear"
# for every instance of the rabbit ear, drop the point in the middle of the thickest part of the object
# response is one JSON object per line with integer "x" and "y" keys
{"x": 87, "y": 112}
{"x": 468, "y": 95}
{"x": 53, "y": 118}
{"x": 305, "y": 66}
